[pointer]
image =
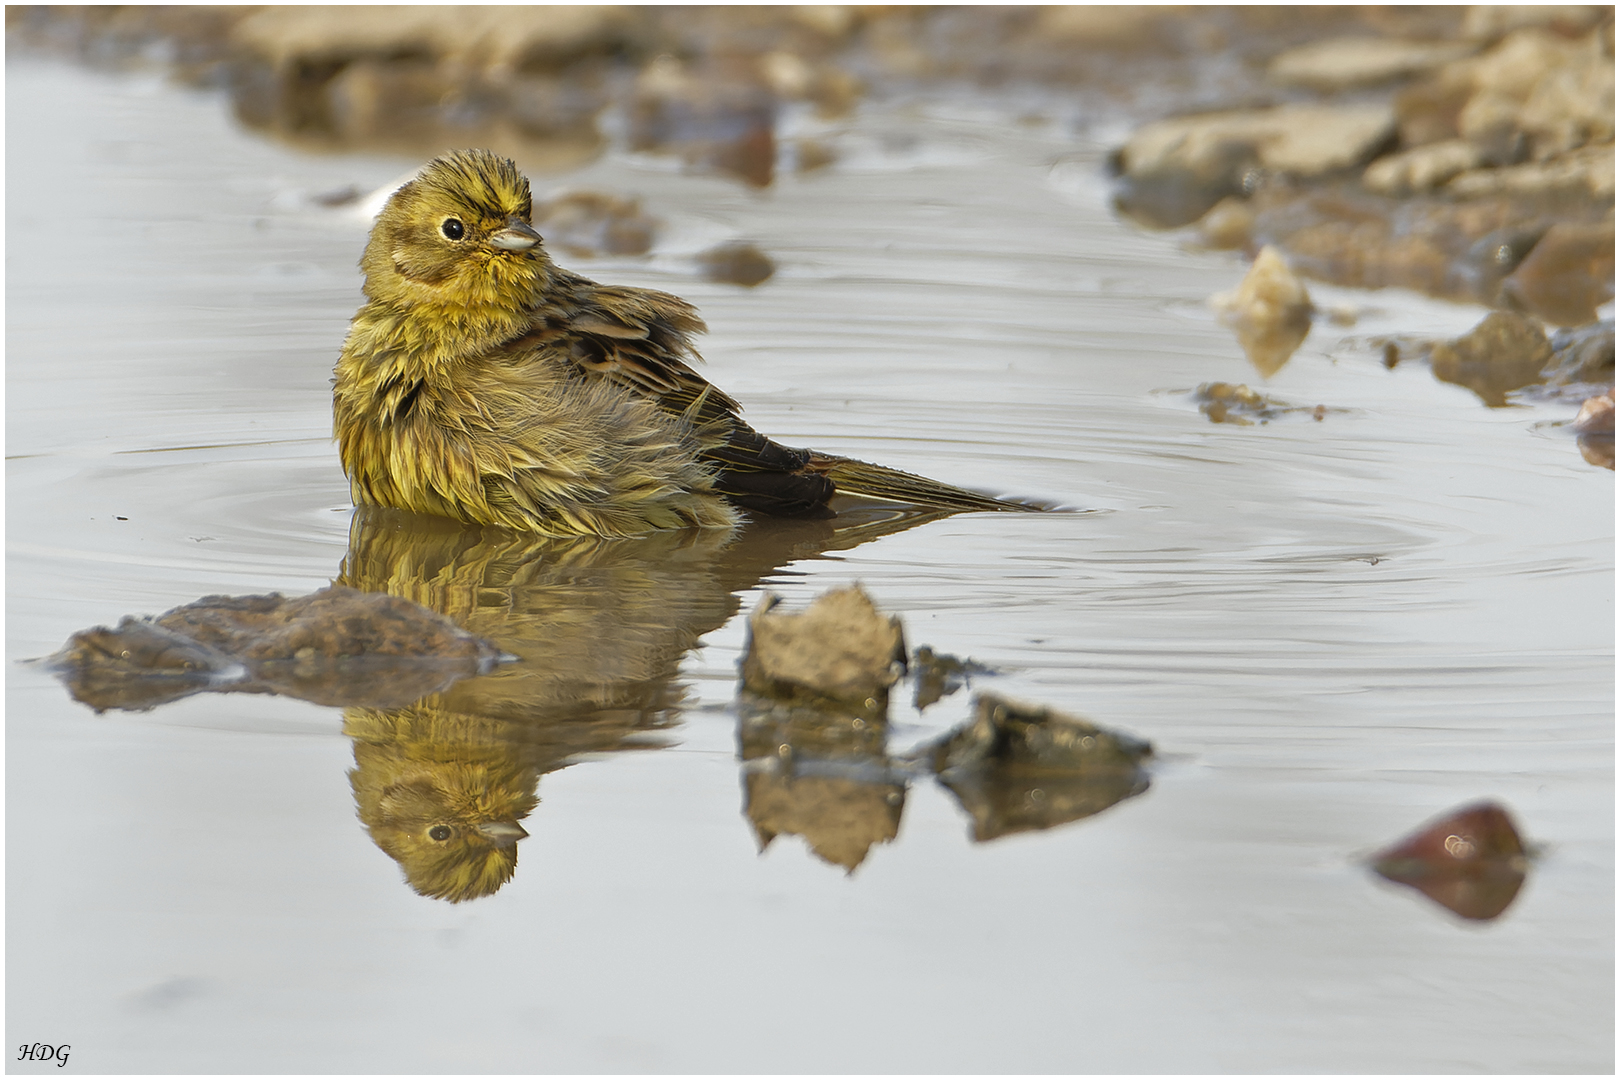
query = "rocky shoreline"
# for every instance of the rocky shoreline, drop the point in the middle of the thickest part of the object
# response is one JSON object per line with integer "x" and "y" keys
{"x": 1465, "y": 153}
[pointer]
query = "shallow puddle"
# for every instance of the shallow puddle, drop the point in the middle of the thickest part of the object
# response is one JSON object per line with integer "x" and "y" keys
{"x": 1331, "y": 631}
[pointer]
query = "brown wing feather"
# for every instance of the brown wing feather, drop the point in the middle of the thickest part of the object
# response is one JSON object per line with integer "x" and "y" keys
{"x": 640, "y": 339}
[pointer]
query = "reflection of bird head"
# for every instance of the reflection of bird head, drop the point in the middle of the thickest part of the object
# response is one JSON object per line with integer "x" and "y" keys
{"x": 459, "y": 234}
{"x": 446, "y": 812}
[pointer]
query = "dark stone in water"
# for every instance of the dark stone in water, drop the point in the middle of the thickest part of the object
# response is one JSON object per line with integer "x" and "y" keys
{"x": 737, "y": 263}
{"x": 1583, "y": 355}
{"x": 339, "y": 646}
{"x": 1471, "y": 861}
{"x": 1017, "y": 768}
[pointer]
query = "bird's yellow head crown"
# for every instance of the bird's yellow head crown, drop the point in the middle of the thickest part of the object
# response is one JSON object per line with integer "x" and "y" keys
{"x": 458, "y": 233}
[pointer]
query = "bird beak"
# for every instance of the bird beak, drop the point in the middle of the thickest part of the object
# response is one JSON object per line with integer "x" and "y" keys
{"x": 517, "y": 236}
{"x": 504, "y": 833}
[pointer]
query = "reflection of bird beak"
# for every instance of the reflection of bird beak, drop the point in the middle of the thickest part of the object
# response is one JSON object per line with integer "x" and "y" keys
{"x": 517, "y": 236}
{"x": 504, "y": 833}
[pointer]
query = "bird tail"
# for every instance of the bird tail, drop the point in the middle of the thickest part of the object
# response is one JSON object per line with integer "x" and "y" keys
{"x": 878, "y": 482}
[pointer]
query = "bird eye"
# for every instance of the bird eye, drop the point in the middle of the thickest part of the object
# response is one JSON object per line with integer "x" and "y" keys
{"x": 440, "y": 832}
{"x": 453, "y": 229}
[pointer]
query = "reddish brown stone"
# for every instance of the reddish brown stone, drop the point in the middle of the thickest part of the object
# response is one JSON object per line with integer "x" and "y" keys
{"x": 1471, "y": 861}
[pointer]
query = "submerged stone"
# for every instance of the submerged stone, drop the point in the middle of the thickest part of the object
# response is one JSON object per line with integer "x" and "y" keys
{"x": 1472, "y": 861}
{"x": 339, "y": 646}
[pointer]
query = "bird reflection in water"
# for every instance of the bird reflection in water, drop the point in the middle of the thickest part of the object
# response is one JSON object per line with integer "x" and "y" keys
{"x": 549, "y": 649}
{"x": 598, "y": 627}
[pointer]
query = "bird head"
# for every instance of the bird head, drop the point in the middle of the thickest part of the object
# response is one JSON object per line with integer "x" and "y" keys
{"x": 457, "y": 235}
{"x": 452, "y": 826}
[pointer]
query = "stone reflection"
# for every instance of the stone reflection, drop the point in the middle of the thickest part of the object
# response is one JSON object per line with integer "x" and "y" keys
{"x": 598, "y": 629}
{"x": 821, "y": 774}
{"x": 1017, "y": 768}
{"x": 470, "y": 661}
{"x": 813, "y": 731}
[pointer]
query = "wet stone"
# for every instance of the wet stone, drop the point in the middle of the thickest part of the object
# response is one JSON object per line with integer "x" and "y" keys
{"x": 338, "y": 646}
{"x": 1270, "y": 312}
{"x": 587, "y": 224}
{"x": 1173, "y": 171}
{"x": 736, "y": 263}
{"x": 1016, "y": 767}
{"x": 1596, "y": 416}
{"x": 1472, "y": 861}
{"x": 841, "y": 649}
{"x": 1583, "y": 355}
{"x": 1238, "y": 403}
{"x": 1348, "y": 63}
{"x": 1504, "y": 352}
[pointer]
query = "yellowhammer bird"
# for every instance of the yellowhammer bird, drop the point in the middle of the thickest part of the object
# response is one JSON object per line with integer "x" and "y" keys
{"x": 483, "y": 382}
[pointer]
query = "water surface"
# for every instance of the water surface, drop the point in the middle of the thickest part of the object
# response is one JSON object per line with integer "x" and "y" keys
{"x": 1330, "y": 630}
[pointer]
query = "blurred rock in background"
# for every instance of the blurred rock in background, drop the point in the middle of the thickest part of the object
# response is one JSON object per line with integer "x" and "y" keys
{"x": 1464, "y": 152}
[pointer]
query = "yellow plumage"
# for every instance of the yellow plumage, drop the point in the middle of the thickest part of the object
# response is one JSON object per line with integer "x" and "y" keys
{"x": 480, "y": 381}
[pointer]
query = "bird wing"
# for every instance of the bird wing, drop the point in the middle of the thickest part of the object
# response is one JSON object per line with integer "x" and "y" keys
{"x": 640, "y": 339}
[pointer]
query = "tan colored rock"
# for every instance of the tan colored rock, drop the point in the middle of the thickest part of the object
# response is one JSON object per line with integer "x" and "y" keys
{"x": 485, "y": 35}
{"x": 1270, "y": 312}
{"x": 1572, "y": 105}
{"x": 1423, "y": 168}
{"x": 1301, "y": 140}
{"x": 1102, "y": 25}
{"x": 1504, "y": 352}
{"x": 1347, "y": 63}
{"x": 841, "y": 648}
{"x": 1567, "y": 275}
{"x": 1586, "y": 173}
{"x": 1228, "y": 225}
{"x": 1485, "y": 22}
{"x": 1536, "y": 85}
